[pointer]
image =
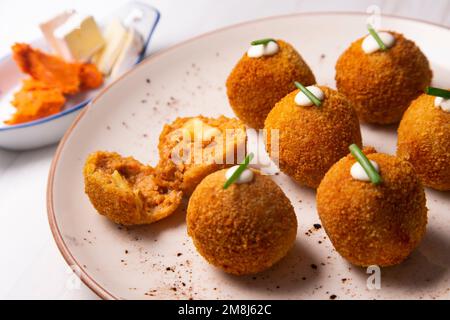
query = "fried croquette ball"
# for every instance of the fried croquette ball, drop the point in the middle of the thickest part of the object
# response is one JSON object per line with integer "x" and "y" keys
{"x": 193, "y": 147}
{"x": 373, "y": 224}
{"x": 243, "y": 229}
{"x": 424, "y": 141}
{"x": 311, "y": 139}
{"x": 256, "y": 84}
{"x": 382, "y": 84}
{"x": 125, "y": 191}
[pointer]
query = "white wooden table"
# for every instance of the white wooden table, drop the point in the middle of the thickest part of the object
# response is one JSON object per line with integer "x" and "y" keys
{"x": 32, "y": 267}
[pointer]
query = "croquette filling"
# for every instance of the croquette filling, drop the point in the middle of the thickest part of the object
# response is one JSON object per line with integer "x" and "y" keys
{"x": 200, "y": 143}
{"x": 128, "y": 175}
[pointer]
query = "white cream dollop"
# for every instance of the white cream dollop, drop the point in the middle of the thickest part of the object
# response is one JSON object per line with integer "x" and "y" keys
{"x": 260, "y": 50}
{"x": 358, "y": 173}
{"x": 302, "y": 100}
{"x": 245, "y": 177}
{"x": 370, "y": 45}
{"x": 442, "y": 103}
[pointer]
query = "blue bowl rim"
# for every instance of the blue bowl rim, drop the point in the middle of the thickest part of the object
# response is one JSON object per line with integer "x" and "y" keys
{"x": 84, "y": 103}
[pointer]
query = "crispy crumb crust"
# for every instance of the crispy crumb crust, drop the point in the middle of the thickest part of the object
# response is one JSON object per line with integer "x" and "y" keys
{"x": 424, "y": 141}
{"x": 256, "y": 84}
{"x": 244, "y": 229}
{"x": 312, "y": 139}
{"x": 131, "y": 198}
{"x": 381, "y": 85}
{"x": 368, "y": 224}
{"x": 186, "y": 176}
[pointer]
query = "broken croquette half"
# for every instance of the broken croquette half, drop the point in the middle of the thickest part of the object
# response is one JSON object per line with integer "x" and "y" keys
{"x": 185, "y": 171}
{"x": 125, "y": 191}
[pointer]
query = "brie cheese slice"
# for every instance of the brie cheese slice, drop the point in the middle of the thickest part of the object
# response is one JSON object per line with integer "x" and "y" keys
{"x": 131, "y": 50}
{"x": 115, "y": 36}
{"x": 73, "y": 36}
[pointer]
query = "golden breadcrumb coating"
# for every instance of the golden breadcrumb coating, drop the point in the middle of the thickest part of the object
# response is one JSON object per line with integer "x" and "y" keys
{"x": 381, "y": 85}
{"x": 124, "y": 190}
{"x": 312, "y": 139}
{"x": 256, "y": 84}
{"x": 193, "y": 147}
{"x": 373, "y": 224}
{"x": 244, "y": 229}
{"x": 424, "y": 141}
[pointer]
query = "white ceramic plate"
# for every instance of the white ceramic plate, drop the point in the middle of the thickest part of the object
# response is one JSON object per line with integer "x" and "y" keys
{"x": 50, "y": 129}
{"x": 159, "y": 261}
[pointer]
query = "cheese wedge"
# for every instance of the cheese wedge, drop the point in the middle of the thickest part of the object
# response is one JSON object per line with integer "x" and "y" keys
{"x": 74, "y": 37}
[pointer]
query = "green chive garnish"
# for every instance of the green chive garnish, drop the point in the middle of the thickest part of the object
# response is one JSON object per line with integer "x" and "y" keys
{"x": 365, "y": 163}
{"x": 238, "y": 171}
{"x": 262, "y": 41}
{"x": 308, "y": 93}
{"x": 437, "y": 92}
{"x": 376, "y": 37}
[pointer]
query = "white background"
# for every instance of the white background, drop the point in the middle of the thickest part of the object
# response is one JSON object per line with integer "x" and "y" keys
{"x": 31, "y": 266}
